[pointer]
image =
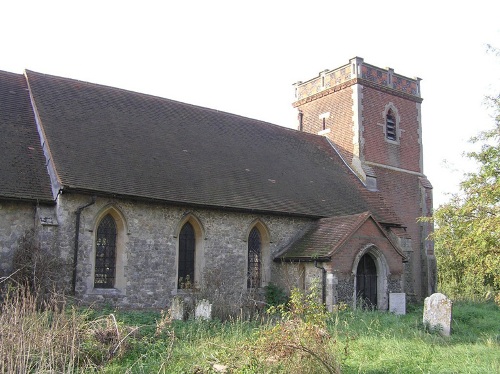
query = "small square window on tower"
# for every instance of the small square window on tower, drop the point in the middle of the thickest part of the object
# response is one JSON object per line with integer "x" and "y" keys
{"x": 323, "y": 118}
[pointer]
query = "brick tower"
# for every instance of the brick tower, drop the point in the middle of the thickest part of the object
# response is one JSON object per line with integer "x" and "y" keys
{"x": 373, "y": 118}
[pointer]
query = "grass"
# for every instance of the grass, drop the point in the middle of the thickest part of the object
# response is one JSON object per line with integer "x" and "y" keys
{"x": 366, "y": 342}
{"x": 73, "y": 340}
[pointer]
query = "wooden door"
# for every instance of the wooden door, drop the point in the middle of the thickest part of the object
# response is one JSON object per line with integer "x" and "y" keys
{"x": 366, "y": 282}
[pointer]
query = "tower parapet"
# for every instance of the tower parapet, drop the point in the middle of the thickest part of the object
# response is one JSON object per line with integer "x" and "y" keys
{"x": 357, "y": 71}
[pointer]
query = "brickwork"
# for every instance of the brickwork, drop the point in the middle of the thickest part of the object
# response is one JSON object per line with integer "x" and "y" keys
{"x": 367, "y": 235}
{"x": 406, "y": 153}
{"x": 368, "y": 239}
{"x": 397, "y": 164}
{"x": 340, "y": 122}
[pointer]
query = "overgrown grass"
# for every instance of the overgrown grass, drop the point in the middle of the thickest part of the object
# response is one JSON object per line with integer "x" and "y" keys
{"x": 67, "y": 340}
{"x": 385, "y": 343}
{"x": 365, "y": 342}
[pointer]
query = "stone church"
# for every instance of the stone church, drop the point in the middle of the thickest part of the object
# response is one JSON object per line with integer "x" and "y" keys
{"x": 139, "y": 196}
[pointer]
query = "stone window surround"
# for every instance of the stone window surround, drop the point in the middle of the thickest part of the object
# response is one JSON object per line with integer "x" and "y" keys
{"x": 383, "y": 273}
{"x": 199, "y": 252}
{"x": 121, "y": 256}
{"x": 391, "y": 107}
{"x": 265, "y": 274}
{"x": 121, "y": 245}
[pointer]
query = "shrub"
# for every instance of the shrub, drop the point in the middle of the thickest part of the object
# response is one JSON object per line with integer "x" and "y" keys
{"x": 275, "y": 295}
{"x": 35, "y": 268}
{"x": 300, "y": 332}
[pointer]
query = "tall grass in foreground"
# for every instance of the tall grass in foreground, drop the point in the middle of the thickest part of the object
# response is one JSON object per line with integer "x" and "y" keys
{"x": 361, "y": 341}
{"x": 37, "y": 338}
{"x": 57, "y": 338}
{"x": 49, "y": 337}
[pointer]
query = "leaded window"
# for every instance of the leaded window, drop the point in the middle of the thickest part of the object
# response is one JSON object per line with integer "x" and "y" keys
{"x": 254, "y": 259}
{"x": 187, "y": 243}
{"x": 390, "y": 126}
{"x": 105, "y": 254}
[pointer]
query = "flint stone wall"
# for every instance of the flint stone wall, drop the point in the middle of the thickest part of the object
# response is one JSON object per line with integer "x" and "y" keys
{"x": 150, "y": 247}
{"x": 16, "y": 219}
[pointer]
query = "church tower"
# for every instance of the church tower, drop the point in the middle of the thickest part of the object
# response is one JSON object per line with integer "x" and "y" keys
{"x": 373, "y": 118}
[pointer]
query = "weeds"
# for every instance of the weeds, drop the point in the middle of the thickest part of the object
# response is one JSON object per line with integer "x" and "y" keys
{"x": 50, "y": 336}
{"x": 301, "y": 337}
{"x": 300, "y": 332}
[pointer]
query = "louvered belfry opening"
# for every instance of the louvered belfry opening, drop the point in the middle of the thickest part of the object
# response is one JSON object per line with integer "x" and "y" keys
{"x": 390, "y": 128}
{"x": 105, "y": 256}
{"x": 187, "y": 243}
{"x": 254, "y": 259}
{"x": 366, "y": 282}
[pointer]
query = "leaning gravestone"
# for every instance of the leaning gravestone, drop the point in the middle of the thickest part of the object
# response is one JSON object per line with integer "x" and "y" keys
{"x": 397, "y": 303}
{"x": 437, "y": 313}
{"x": 177, "y": 309}
{"x": 203, "y": 310}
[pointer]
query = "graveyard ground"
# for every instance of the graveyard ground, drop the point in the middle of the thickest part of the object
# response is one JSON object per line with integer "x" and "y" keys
{"x": 363, "y": 342}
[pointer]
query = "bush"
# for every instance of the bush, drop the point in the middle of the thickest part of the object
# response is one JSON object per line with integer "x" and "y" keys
{"x": 300, "y": 332}
{"x": 35, "y": 268}
{"x": 275, "y": 295}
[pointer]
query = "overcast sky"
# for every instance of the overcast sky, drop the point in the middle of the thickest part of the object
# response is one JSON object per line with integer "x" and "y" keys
{"x": 244, "y": 56}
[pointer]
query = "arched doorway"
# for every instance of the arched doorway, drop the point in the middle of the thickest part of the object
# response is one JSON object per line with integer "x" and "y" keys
{"x": 366, "y": 281}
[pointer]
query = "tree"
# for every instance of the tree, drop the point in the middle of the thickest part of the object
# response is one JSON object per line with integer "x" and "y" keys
{"x": 467, "y": 233}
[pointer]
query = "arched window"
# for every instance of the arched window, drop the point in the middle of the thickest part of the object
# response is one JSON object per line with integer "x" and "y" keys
{"x": 390, "y": 126}
{"x": 187, "y": 245}
{"x": 105, "y": 254}
{"x": 254, "y": 259}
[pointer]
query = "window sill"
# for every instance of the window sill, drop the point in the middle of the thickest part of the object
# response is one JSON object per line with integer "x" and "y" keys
{"x": 105, "y": 291}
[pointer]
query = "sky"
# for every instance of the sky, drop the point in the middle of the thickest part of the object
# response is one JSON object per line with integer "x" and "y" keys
{"x": 244, "y": 56}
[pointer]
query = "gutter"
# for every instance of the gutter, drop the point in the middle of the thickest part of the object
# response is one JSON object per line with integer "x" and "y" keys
{"x": 77, "y": 234}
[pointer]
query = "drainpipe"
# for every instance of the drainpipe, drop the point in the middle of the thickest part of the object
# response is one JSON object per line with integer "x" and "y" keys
{"x": 77, "y": 234}
{"x": 323, "y": 281}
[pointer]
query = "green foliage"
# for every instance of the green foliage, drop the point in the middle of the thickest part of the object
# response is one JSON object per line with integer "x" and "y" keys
{"x": 300, "y": 332}
{"x": 275, "y": 295}
{"x": 66, "y": 339}
{"x": 467, "y": 234}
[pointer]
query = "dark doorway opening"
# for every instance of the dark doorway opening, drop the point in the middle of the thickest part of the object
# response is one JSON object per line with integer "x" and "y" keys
{"x": 366, "y": 282}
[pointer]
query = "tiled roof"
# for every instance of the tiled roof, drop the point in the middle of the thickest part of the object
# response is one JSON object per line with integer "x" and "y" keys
{"x": 23, "y": 174}
{"x": 324, "y": 237}
{"x": 113, "y": 141}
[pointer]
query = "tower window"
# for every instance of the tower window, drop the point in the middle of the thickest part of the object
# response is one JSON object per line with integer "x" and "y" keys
{"x": 390, "y": 126}
{"x": 323, "y": 117}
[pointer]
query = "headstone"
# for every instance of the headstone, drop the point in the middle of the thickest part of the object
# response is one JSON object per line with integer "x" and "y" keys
{"x": 397, "y": 303}
{"x": 437, "y": 313}
{"x": 177, "y": 309}
{"x": 203, "y": 310}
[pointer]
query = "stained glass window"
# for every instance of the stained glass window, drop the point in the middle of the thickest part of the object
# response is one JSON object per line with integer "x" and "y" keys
{"x": 105, "y": 254}
{"x": 254, "y": 259}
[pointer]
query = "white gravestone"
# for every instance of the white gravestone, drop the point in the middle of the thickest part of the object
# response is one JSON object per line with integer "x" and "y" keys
{"x": 397, "y": 303}
{"x": 203, "y": 310}
{"x": 437, "y": 313}
{"x": 177, "y": 309}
